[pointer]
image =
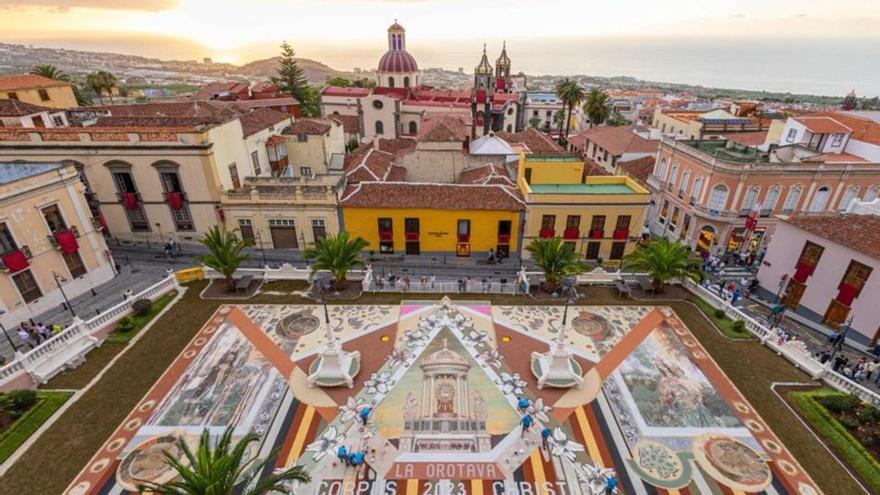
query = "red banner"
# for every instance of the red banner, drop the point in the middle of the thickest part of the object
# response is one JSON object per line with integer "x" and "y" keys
{"x": 175, "y": 200}
{"x": 130, "y": 200}
{"x": 847, "y": 294}
{"x": 571, "y": 234}
{"x": 546, "y": 233}
{"x": 596, "y": 234}
{"x": 15, "y": 260}
{"x": 621, "y": 234}
{"x": 802, "y": 271}
{"x": 751, "y": 223}
{"x": 66, "y": 241}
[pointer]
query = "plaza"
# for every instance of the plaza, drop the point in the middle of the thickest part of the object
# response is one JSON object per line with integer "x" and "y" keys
{"x": 443, "y": 380}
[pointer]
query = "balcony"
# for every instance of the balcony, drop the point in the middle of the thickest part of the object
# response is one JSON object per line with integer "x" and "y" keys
{"x": 65, "y": 240}
{"x": 175, "y": 199}
{"x": 16, "y": 260}
{"x": 546, "y": 233}
{"x": 503, "y": 238}
{"x": 597, "y": 233}
{"x": 712, "y": 214}
{"x": 571, "y": 234}
{"x": 278, "y": 166}
{"x": 412, "y": 236}
{"x": 464, "y": 238}
{"x": 621, "y": 234}
{"x": 131, "y": 200}
{"x": 655, "y": 182}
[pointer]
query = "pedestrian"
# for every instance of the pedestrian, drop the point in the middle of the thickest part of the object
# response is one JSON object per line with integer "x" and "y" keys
{"x": 523, "y": 403}
{"x": 406, "y": 283}
{"x": 460, "y": 286}
{"x": 871, "y": 368}
{"x": 364, "y": 414}
{"x": 832, "y": 337}
{"x": 734, "y": 297}
{"x": 433, "y": 280}
{"x": 526, "y": 423}
{"x": 545, "y": 438}
{"x": 172, "y": 248}
{"x": 357, "y": 458}
{"x": 491, "y": 256}
{"x": 35, "y": 336}
{"x": 44, "y": 331}
{"x": 610, "y": 484}
{"x": 342, "y": 453}
{"x": 25, "y": 336}
{"x": 56, "y": 329}
{"x": 485, "y": 285}
{"x": 424, "y": 282}
{"x": 838, "y": 363}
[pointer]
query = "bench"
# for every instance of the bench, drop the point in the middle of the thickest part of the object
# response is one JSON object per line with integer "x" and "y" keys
{"x": 243, "y": 283}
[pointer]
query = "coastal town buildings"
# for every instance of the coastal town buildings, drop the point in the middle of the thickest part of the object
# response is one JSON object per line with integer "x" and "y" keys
{"x": 49, "y": 240}
{"x": 827, "y": 267}
{"x": 16, "y": 113}
{"x": 251, "y": 96}
{"x": 37, "y": 90}
{"x": 610, "y": 146}
{"x": 720, "y": 195}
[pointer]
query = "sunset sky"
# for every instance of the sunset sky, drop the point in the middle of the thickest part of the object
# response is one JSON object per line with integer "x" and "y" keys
{"x": 238, "y": 31}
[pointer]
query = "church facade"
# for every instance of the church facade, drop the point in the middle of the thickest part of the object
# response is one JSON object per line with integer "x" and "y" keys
{"x": 399, "y": 103}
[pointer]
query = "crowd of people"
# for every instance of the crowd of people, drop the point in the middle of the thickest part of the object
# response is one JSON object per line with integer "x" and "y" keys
{"x": 33, "y": 335}
{"x": 860, "y": 370}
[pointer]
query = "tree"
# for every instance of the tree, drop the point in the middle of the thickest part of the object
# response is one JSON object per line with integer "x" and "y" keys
{"x": 310, "y": 102}
{"x": 617, "y": 120}
{"x": 224, "y": 253}
{"x": 561, "y": 89}
{"x": 663, "y": 260}
{"x": 535, "y": 122}
{"x": 94, "y": 83}
{"x": 558, "y": 119}
{"x": 352, "y": 145}
{"x": 338, "y": 254}
{"x": 101, "y": 82}
{"x": 556, "y": 259}
{"x": 571, "y": 94}
{"x": 339, "y": 81}
{"x": 596, "y": 106}
{"x": 50, "y": 71}
{"x": 291, "y": 77}
{"x": 223, "y": 469}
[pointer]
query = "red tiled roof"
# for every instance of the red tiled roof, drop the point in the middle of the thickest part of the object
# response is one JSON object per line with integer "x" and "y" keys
{"x": 397, "y": 146}
{"x": 756, "y": 138}
{"x": 349, "y": 123}
{"x": 259, "y": 119}
{"x": 616, "y": 140}
{"x": 533, "y": 140}
{"x": 432, "y": 196}
{"x": 28, "y": 81}
{"x": 215, "y": 89}
{"x": 822, "y": 124}
{"x": 490, "y": 173}
{"x": 593, "y": 168}
{"x": 858, "y": 232}
{"x": 862, "y": 129}
{"x": 312, "y": 127}
{"x": 16, "y": 108}
{"x": 367, "y": 164}
{"x": 444, "y": 127}
{"x": 216, "y": 112}
{"x": 638, "y": 169}
{"x": 397, "y": 93}
{"x": 342, "y": 91}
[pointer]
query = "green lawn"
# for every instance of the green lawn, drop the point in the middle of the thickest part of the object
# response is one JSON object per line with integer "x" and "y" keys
{"x": 119, "y": 337}
{"x": 725, "y": 324}
{"x": 847, "y": 446}
{"x": 25, "y": 426}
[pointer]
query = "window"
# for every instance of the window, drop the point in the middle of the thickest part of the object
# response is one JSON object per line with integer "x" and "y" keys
{"x": 7, "y": 242}
{"x": 791, "y": 201}
{"x": 58, "y": 121}
{"x": 319, "y": 230}
{"x": 623, "y": 222}
{"x": 44, "y": 95}
{"x": 698, "y": 189}
{"x": 386, "y": 236}
{"x": 685, "y": 177}
{"x": 872, "y": 193}
{"x": 12, "y": 96}
{"x": 413, "y": 127}
{"x": 661, "y": 169}
{"x": 597, "y": 223}
{"x": 664, "y": 211}
{"x": 390, "y": 82}
{"x": 380, "y": 127}
{"x": 791, "y": 136}
{"x": 528, "y": 175}
{"x": 548, "y": 222}
{"x": 74, "y": 264}
{"x": 674, "y": 220}
{"x": 573, "y": 222}
{"x": 302, "y": 138}
{"x": 685, "y": 226}
{"x": 245, "y": 226}
{"x": 377, "y": 104}
{"x": 820, "y": 199}
{"x": 54, "y": 219}
{"x": 233, "y": 175}
{"x": 837, "y": 139}
{"x": 464, "y": 230}
{"x": 617, "y": 249}
{"x": 255, "y": 160}
{"x": 27, "y": 286}
{"x": 411, "y": 229}
{"x": 749, "y": 201}
{"x": 718, "y": 198}
{"x": 593, "y": 250}
{"x": 170, "y": 181}
{"x": 673, "y": 175}
{"x": 770, "y": 201}
{"x": 305, "y": 171}
{"x": 405, "y": 81}
{"x": 852, "y": 193}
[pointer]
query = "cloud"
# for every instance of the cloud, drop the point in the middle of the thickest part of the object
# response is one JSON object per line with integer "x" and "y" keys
{"x": 64, "y": 5}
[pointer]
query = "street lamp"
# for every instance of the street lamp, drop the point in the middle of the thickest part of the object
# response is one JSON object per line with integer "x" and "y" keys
{"x": 262, "y": 251}
{"x": 159, "y": 229}
{"x": 841, "y": 339}
{"x": 6, "y": 333}
{"x": 58, "y": 280}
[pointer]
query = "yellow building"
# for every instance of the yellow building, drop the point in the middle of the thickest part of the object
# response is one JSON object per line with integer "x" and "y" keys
{"x": 37, "y": 90}
{"x": 48, "y": 239}
{"x": 600, "y": 216}
{"x": 427, "y": 218}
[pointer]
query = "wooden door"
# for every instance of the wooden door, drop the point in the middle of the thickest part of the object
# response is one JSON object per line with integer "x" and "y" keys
{"x": 795, "y": 292}
{"x": 283, "y": 237}
{"x": 836, "y": 313}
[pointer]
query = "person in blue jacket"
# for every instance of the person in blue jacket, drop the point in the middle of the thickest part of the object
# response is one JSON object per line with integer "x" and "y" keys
{"x": 342, "y": 453}
{"x": 364, "y": 415}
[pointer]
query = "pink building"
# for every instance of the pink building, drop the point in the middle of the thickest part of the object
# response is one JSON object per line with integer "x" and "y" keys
{"x": 830, "y": 266}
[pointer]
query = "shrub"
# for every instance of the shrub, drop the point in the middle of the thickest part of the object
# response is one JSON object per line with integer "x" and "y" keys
{"x": 850, "y": 423}
{"x": 739, "y": 326}
{"x": 126, "y": 324}
{"x": 839, "y": 403}
{"x": 141, "y": 307}
{"x": 869, "y": 414}
{"x": 22, "y": 400}
{"x": 719, "y": 313}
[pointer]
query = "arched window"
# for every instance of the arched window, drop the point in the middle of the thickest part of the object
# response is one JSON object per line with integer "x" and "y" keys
{"x": 852, "y": 193}
{"x": 405, "y": 81}
{"x": 749, "y": 200}
{"x": 770, "y": 201}
{"x": 872, "y": 193}
{"x": 413, "y": 127}
{"x": 718, "y": 198}
{"x": 698, "y": 189}
{"x": 380, "y": 128}
{"x": 661, "y": 169}
{"x": 820, "y": 199}
{"x": 685, "y": 177}
{"x": 509, "y": 128}
{"x": 673, "y": 175}
{"x": 791, "y": 201}
{"x": 390, "y": 82}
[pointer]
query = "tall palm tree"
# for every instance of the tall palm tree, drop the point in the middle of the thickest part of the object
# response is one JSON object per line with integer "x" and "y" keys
{"x": 50, "y": 71}
{"x": 109, "y": 81}
{"x": 561, "y": 89}
{"x": 572, "y": 95}
{"x": 556, "y": 259}
{"x": 94, "y": 82}
{"x": 223, "y": 469}
{"x": 664, "y": 260}
{"x": 596, "y": 106}
{"x": 224, "y": 253}
{"x": 338, "y": 254}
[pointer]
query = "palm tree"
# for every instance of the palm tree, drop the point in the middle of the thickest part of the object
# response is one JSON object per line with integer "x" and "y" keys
{"x": 338, "y": 254}
{"x": 572, "y": 95}
{"x": 94, "y": 82}
{"x": 109, "y": 81}
{"x": 51, "y": 72}
{"x": 223, "y": 469}
{"x": 663, "y": 260}
{"x": 596, "y": 106}
{"x": 535, "y": 122}
{"x": 562, "y": 87}
{"x": 556, "y": 258}
{"x": 224, "y": 252}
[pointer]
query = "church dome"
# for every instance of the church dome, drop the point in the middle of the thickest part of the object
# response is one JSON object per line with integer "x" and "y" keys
{"x": 397, "y": 61}
{"x": 445, "y": 358}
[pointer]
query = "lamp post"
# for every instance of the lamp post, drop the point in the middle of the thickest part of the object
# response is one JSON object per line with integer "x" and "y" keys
{"x": 262, "y": 250}
{"x": 839, "y": 344}
{"x": 6, "y": 333}
{"x": 58, "y": 280}
{"x": 159, "y": 229}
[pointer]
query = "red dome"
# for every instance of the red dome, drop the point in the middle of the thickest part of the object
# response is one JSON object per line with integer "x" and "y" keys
{"x": 397, "y": 61}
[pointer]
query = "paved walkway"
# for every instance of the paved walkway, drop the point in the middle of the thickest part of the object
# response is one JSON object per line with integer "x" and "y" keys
{"x": 135, "y": 276}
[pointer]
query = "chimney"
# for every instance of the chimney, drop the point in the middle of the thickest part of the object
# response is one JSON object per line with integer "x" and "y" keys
{"x": 376, "y": 143}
